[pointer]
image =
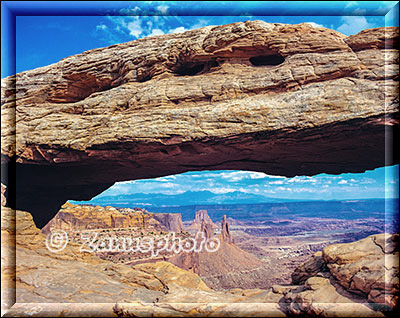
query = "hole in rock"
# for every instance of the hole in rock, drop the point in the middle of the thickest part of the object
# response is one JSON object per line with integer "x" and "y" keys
{"x": 189, "y": 69}
{"x": 267, "y": 225}
{"x": 271, "y": 59}
{"x": 192, "y": 68}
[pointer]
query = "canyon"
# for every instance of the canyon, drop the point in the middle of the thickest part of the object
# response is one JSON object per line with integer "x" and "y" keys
{"x": 227, "y": 267}
{"x": 336, "y": 281}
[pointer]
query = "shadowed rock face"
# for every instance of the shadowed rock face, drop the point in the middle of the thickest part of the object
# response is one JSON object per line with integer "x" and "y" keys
{"x": 281, "y": 99}
{"x": 172, "y": 221}
{"x": 225, "y": 232}
{"x": 201, "y": 217}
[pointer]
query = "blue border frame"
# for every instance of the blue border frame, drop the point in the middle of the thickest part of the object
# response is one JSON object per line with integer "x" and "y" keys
{"x": 11, "y": 9}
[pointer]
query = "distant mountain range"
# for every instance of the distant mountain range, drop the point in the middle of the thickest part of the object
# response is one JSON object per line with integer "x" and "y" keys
{"x": 186, "y": 198}
{"x": 252, "y": 207}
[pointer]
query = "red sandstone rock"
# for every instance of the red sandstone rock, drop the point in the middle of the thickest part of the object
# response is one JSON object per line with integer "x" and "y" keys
{"x": 225, "y": 232}
{"x": 3, "y": 197}
{"x": 171, "y": 221}
{"x": 207, "y": 229}
{"x": 73, "y": 217}
{"x": 199, "y": 217}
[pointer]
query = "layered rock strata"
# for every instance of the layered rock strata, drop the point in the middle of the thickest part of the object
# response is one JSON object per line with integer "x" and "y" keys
{"x": 276, "y": 98}
{"x": 72, "y": 217}
{"x": 368, "y": 268}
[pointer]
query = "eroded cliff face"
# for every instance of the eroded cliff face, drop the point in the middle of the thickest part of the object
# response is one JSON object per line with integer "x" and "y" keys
{"x": 201, "y": 217}
{"x": 72, "y": 217}
{"x": 281, "y": 99}
{"x": 171, "y": 221}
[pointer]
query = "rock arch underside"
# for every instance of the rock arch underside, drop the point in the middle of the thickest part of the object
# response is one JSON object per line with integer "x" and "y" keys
{"x": 281, "y": 99}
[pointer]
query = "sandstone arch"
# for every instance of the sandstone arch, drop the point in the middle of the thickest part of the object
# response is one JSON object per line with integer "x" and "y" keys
{"x": 195, "y": 101}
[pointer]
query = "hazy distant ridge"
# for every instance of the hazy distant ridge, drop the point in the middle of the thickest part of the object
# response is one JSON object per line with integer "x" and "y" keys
{"x": 188, "y": 197}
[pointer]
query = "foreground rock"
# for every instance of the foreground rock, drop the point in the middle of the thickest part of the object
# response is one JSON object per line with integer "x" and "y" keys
{"x": 319, "y": 297}
{"x": 280, "y": 99}
{"x": 45, "y": 280}
{"x": 74, "y": 276}
{"x": 366, "y": 270}
{"x": 369, "y": 267}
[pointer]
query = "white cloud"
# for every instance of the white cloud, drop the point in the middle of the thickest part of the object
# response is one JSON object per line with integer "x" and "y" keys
{"x": 165, "y": 179}
{"x": 240, "y": 175}
{"x": 172, "y": 192}
{"x": 275, "y": 177}
{"x": 315, "y": 25}
{"x": 384, "y": 10}
{"x": 233, "y": 176}
{"x": 156, "y": 32}
{"x": 367, "y": 181}
{"x": 134, "y": 28}
{"x": 276, "y": 182}
{"x": 309, "y": 190}
{"x": 284, "y": 189}
{"x": 162, "y": 9}
{"x": 178, "y": 30}
{"x": 101, "y": 27}
{"x": 200, "y": 23}
{"x": 354, "y": 24}
{"x": 359, "y": 11}
{"x": 303, "y": 179}
{"x": 127, "y": 182}
{"x": 221, "y": 190}
{"x": 351, "y": 4}
{"x": 342, "y": 182}
{"x": 257, "y": 175}
{"x": 168, "y": 185}
{"x": 126, "y": 11}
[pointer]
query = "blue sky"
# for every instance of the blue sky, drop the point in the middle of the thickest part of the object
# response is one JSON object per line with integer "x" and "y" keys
{"x": 42, "y": 40}
{"x": 378, "y": 183}
{"x": 45, "y": 39}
